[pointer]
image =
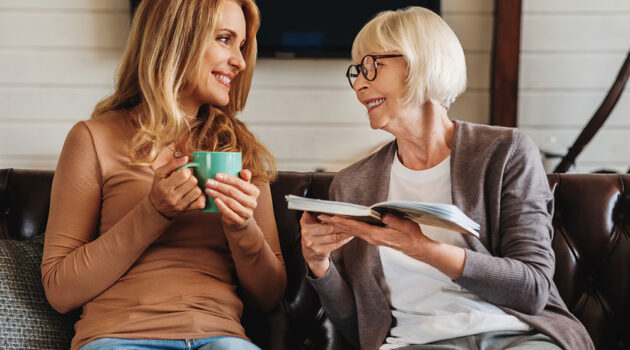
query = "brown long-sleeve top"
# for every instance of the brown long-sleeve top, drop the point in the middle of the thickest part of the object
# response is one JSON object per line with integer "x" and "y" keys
{"x": 135, "y": 273}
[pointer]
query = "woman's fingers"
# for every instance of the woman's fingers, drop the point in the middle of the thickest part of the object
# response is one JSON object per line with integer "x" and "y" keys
{"x": 232, "y": 191}
{"x": 323, "y": 240}
{"x": 191, "y": 193}
{"x": 309, "y": 218}
{"x": 187, "y": 185}
{"x": 229, "y": 216}
{"x": 235, "y": 206}
{"x": 400, "y": 224}
{"x": 318, "y": 241}
{"x": 197, "y": 204}
{"x": 324, "y": 250}
{"x": 236, "y": 198}
{"x": 359, "y": 228}
{"x": 246, "y": 175}
{"x": 165, "y": 170}
{"x": 171, "y": 190}
{"x": 243, "y": 185}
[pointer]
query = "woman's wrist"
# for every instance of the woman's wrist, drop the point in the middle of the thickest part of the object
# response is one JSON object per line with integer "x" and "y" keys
{"x": 319, "y": 269}
{"x": 447, "y": 258}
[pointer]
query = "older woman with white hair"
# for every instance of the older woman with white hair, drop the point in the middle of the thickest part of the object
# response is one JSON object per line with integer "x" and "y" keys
{"x": 410, "y": 286}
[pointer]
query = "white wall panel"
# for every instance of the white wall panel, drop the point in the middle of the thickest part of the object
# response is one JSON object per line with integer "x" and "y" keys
{"x": 295, "y": 106}
{"x": 467, "y": 6}
{"x": 42, "y": 5}
{"x": 320, "y": 143}
{"x": 49, "y": 103}
{"x": 572, "y": 51}
{"x": 478, "y": 71}
{"x": 565, "y": 70}
{"x": 604, "y": 32}
{"x": 58, "y": 67}
{"x": 472, "y": 107}
{"x": 572, "y": 6}
{"x": 32, "y": 139}
{"x": 591, "y": 167}
{"x": 59, "y": 29}
{"x": 29, "y": 162}
{"x": 608, "y": 146}
{"x": 305, "y": 73}
{"x": 474, "y": 31}
{"x": 570, "y": 109}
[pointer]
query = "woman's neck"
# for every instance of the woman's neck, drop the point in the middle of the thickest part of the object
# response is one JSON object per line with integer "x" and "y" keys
{"x": 426, "y": 139}
{"x": 189, "y": 106}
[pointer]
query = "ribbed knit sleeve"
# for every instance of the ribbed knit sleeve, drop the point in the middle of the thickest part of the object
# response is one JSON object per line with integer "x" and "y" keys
{"x": 77, "y": 263}
{"x": 257, "y": 256}
{"x": 521, "y": 277}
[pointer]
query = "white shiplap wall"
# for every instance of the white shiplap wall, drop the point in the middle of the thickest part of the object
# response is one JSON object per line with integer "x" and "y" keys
{"x": 59, "y": 57}
{"x": 571, "y": 52}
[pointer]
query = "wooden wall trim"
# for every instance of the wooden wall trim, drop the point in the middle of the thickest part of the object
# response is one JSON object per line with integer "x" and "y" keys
{"x": 505, "y": 61}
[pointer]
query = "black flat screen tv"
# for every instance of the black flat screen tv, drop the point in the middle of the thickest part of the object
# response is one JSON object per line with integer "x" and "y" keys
{"x": 317, "y": 28}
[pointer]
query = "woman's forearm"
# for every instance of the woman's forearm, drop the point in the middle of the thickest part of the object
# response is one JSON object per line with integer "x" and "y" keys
{"x": 260, "y": 271}
{"x": 447, "y": 258}
{"x": 75, "y": 271}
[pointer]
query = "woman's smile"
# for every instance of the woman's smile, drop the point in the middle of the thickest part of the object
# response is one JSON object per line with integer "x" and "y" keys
{"x": 223, "y": 78}
{"x": 374, "y": 103}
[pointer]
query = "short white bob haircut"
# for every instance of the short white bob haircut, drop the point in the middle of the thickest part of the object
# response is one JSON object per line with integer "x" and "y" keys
{"x": 436, "y": 67}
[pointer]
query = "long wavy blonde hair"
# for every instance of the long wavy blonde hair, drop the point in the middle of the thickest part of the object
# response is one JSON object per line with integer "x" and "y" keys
{"x": 162, "y": 57}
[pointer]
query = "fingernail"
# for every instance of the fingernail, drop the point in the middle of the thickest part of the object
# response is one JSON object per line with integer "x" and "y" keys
{"x": 212, "y": 183}
{"x": 210, "y": 192}
{"x": 220, "y": 176}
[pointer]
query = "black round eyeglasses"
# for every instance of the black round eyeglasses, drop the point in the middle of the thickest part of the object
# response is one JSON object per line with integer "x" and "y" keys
{"x": 367, "y": 67}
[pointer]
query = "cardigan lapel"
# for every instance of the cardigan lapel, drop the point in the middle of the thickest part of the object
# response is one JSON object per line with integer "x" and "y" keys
{"x": 462, "y": 193}
{"x": 365, "y": 264}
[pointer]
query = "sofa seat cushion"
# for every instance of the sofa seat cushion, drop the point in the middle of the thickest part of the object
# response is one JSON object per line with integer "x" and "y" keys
{"x": 27, "y": 321}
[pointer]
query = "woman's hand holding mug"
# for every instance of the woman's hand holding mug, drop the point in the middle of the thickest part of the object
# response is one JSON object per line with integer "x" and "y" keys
{"x": 235, "y": 197}
{"x": 174, "y": 191}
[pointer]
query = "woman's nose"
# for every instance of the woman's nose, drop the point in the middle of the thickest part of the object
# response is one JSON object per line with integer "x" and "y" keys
{"x": 359, "y": 83}
{"x": 237, "y": 61}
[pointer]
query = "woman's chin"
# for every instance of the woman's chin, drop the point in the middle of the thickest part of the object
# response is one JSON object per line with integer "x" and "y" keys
{"x": 376, "y": 124}
{"x": 220, "y": 102}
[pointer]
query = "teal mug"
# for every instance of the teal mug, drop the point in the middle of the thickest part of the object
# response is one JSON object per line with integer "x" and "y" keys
{"x": 206, "y": 166}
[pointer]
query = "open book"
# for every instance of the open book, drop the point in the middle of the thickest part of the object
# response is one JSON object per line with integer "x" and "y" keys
{"x": 445, "y": 216}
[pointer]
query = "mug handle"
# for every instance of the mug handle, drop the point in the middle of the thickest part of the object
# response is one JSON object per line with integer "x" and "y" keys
{"x": 189, "y": 165}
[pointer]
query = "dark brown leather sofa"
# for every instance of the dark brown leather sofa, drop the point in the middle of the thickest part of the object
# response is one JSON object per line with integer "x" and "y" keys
{"x": 592, "y": 245}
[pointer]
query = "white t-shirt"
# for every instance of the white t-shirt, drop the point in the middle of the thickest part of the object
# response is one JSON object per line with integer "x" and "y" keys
{"x": 427, "y": 305}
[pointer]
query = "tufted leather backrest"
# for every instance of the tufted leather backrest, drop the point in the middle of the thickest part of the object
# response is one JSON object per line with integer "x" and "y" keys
{"x": 591, "y": 242}
{"x": 24, "y": 201}
{"x": 592, "y": 246}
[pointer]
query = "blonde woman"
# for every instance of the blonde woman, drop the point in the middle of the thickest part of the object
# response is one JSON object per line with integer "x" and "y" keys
{"x": 409, "y": 286}
{"x": 125, "y": 238}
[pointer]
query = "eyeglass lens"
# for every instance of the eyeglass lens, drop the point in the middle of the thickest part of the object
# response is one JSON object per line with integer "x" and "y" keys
{"x": 368, "y": 69}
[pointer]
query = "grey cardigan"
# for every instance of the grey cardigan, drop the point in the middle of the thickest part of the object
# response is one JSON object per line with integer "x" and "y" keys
{"x": 497, "y": 180}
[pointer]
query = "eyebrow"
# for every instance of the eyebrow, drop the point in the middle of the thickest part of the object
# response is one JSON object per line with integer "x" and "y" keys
{"x": 232, "y": 33}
